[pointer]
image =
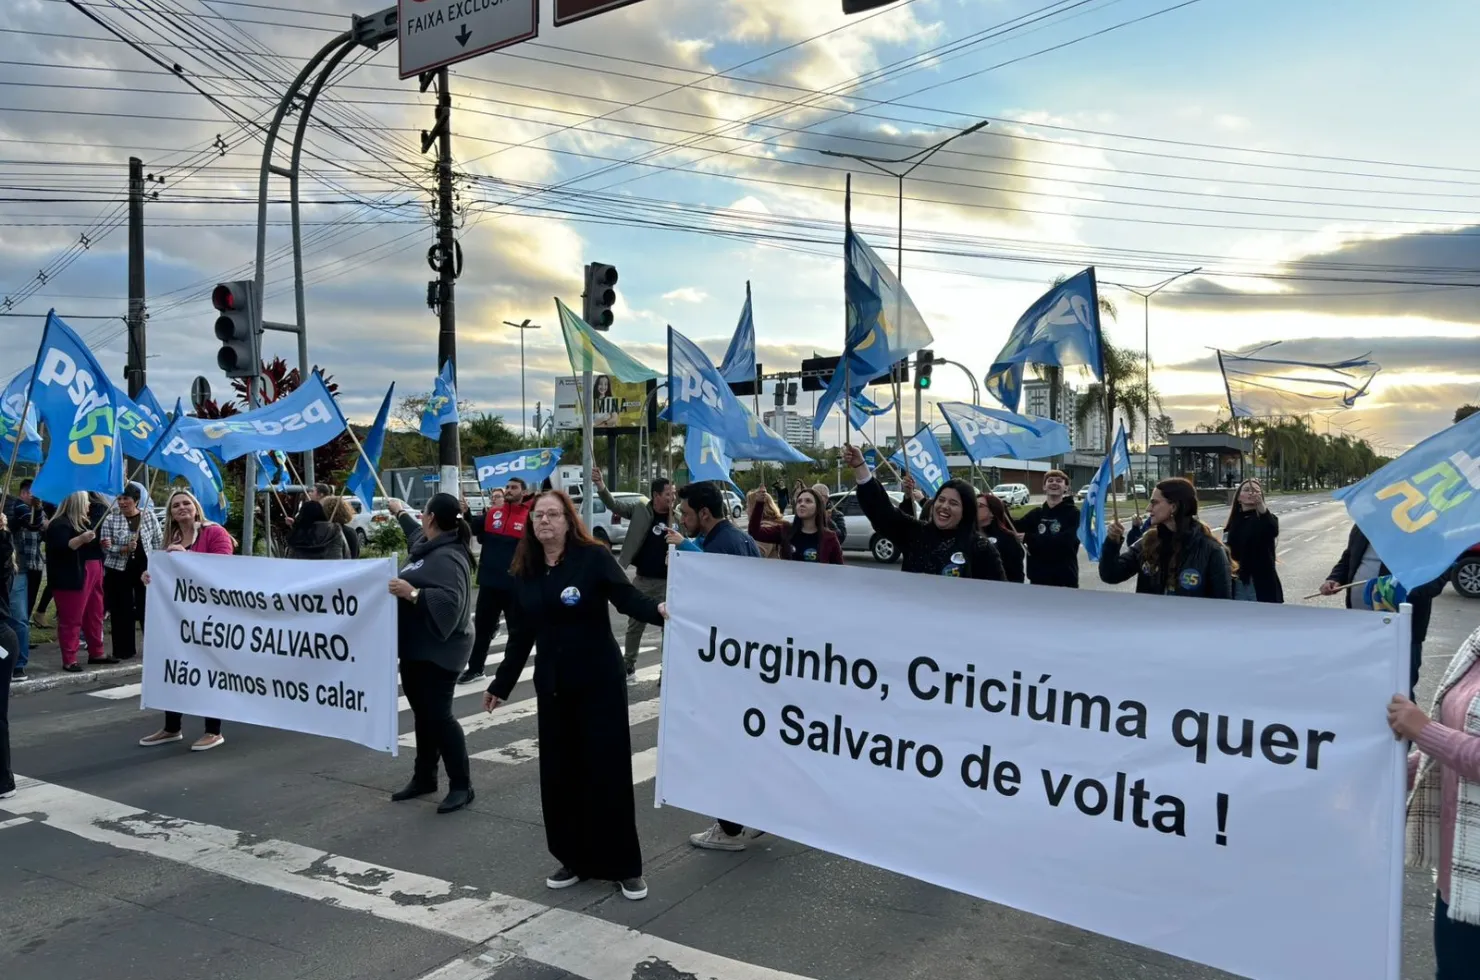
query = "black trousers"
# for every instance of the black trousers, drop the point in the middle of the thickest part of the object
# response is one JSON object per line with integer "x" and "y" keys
{"x": 45, "y": 601}
{"x": 173, "y": 720}
{"x": 438, "y": 735}
{"x": 492, "y": 603}
{"x": 9, "y": 641}
{"x": 33, "y": 588}
{"x": 1456, "y": 945}
{"x": 123, "y": 597}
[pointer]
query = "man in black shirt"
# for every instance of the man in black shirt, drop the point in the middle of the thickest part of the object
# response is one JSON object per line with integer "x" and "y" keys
{"x": 1051, "y": 536}
{"x": 646, "y": 550}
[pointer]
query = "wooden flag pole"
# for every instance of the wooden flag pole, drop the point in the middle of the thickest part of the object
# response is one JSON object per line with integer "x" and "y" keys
{"x": 361, "y": 450}
{"x": 1317, "y": 595}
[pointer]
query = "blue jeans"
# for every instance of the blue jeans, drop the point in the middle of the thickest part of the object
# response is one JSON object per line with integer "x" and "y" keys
{"x": 20, "y": 621}
{"x": 1244, "y": 591}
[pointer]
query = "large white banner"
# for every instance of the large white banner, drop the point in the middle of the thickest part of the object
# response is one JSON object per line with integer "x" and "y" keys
{"x": 308, "y": 646}
{"x": 1212, "y": 779}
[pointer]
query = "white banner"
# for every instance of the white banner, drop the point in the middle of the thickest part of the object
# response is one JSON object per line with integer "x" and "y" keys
{"x": 1215, "y": 780}
{"x": 306, "y": 646}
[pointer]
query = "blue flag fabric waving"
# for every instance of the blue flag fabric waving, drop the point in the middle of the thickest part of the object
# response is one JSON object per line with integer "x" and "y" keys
{"x": 1422, "y": 510}
{"x": 704, "y": 454}
{"x": 926, "y": 461}
{"x": 533, "y": 466}
{"x": 304, "y": 420}
{"x": 270, "y": 472}
{"x": 861, "y": 408}
{"x": 698, "y": 397}
{"x": 151, "y": 407}
{"x": 361, "y": 482}
{"x": 136, "y": 427}
{"x": 441, "y": 407}
{"x": 884, "y": 326}
{"x": 77, "y": 403}
{"x": 1092, "y": 522}
{"x": 174, "y": 454}
{"x": 987, "y": 433}
{"x": 739, "y": 363}
{"x": 12, "y": 403}
{"x": 1061, "y": 329}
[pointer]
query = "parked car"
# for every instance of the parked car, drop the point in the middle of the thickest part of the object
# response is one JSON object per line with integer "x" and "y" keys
{"x": 1139, "y": 490}
{"x": 364, "y": 525}
{"x": 1083, "y": 492}
{"x": 883, "y": 550}
{"x": 1465, "y": 575}
{"x": 1011, "y": 494}
{"x": 617, "y": 529}
{"x": 736, "y": 505}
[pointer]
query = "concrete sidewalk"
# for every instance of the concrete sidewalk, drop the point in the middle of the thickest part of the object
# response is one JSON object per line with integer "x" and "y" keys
{"x": 44, "y": 670}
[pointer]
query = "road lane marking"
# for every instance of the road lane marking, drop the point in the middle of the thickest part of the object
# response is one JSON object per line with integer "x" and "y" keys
{"x": 528, "y": 749}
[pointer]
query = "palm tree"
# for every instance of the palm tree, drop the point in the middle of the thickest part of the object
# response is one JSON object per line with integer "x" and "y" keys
{"x": 1124, "y": 388}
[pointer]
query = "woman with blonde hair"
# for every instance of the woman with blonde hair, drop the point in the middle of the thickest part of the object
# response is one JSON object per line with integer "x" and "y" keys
{"x": 186, "y": 529}
{"x": 339, "y": 514}
{"x": 67, "y": 574}
{"x": 1179, "y": 555}
{"x": 765, "y": 515}
{"x": 807, "y": 538}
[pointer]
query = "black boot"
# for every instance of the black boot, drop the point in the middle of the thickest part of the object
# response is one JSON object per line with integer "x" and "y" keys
{"x": 456, "y": 800}
{"x": 415, "y": 788}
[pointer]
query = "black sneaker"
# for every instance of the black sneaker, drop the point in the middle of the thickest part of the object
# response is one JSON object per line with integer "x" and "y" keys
{"x": 469, "y": 675}
{"x": 18, "y": 674}
{"x": 634, "y": 889}
{"x": 73, "y": 668}
{"x": 562, "y": 878}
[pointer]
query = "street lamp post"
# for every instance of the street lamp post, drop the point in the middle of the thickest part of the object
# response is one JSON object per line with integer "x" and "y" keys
{"x": 1146, "y": 292}
{"x": 912, "y": 163}
{"x": 523, "y": 408}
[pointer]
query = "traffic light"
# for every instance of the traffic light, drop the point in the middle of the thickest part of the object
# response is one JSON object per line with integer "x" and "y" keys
{"x": 238, "y": 324}
{"x": 600, "y": 296}
{"x": 791, "y": 393}
{"x": 924, "y": 365}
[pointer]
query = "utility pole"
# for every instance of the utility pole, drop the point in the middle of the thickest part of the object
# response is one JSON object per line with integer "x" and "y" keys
{"x": 446, "y": 260}
{"x": 137, "y": 349}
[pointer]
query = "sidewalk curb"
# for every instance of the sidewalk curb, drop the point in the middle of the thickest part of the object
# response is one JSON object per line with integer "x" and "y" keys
{"x": 88, "y": 678}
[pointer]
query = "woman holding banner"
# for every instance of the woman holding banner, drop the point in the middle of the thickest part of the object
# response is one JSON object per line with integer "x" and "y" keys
{"x": 1178, "y": 555}
{"x": 950, "y": 543}
{"x": 67, "y": 574}
{"x": 1443, "y": 817}
{"x": 564, "y": 580}
{"x": 186, "y": 529}
{"x": 436, "y": 593}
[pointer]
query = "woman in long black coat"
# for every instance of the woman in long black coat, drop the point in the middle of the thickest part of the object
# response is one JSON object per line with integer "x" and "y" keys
{"x": 1251, "y": 534}
{"x": 564, "y": 579}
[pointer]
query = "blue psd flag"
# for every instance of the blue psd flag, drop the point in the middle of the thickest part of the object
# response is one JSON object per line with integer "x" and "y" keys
{"x": 1422, "y": 510}
{"x": 269, "y": 472}
{"x": 699, "y": 398}
{"x": 1092, "y": 521}
{"x": 861, "y": 408}
{"x": 1061, "y": 329}
{"x": 361, "y": 482}
{"x": 987, "y": 433}
{"x": 705, "y": 456}
{"x": 74, "y": 398}
{"x": 533, "y": 466}
{"x": 926, "y": 460}
{"x": 12, "y": 403}
{"x": 739, "y": 363}
{"x": 441, "y": 406}
{"x": 151, "y": 407}
{"x": 138, "y": 430}
{"x": 304, "y": 420}
{"x": 884, "y": 326}
{"x": 174, "y": 455}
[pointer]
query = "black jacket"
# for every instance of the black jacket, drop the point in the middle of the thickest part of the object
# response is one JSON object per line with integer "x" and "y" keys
{"x": 320, "y": 541}
{"x": 64, "y": 571}
{"x": 7, "y": 575}
{"x": 564, "y": 613}
{"x": 1051, "y": 537}
{"x": 925, "y": 548}
{"x": 1251, "y": 541}
{"x": 435, "y": 627}
{"x": 1010, "y": 549}
{"x": 1202, "y": 572}
{"x": 1344, "y": 572}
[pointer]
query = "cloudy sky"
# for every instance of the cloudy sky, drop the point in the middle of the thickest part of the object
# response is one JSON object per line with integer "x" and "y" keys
{"x": 1304, "y": 155}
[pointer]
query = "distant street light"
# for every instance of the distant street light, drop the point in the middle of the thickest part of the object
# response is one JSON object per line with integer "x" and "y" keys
{"x": 523, "y": 408}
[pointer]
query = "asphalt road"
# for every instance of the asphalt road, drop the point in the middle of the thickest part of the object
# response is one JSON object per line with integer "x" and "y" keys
{"x": 278, "y": 857}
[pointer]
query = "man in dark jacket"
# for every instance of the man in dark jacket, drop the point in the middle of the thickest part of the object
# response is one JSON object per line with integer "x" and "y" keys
{"x": 645, "y": 549}
{"x": 705, "y": 513}
{"x": 498, "y": 530}
{"x": 1361, "y": 563}
{"x": 1051, "y": 536}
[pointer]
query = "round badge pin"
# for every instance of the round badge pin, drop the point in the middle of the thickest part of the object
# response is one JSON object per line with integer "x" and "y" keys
{"x": 571, "y": 596}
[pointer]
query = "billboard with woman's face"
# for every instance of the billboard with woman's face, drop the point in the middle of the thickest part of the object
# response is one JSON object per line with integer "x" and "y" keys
{"x": 615, "y": 404}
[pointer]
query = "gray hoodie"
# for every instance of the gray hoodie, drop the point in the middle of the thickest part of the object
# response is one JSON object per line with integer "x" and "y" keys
{"x": 435, "y": 628}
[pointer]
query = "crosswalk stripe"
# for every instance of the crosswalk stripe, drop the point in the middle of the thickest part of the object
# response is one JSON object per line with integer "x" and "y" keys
{"x": 15, "y": 822}
{"x": 528, "y": 749}
{"x": 579, "y": 944}
{"x": 518, "y": 711}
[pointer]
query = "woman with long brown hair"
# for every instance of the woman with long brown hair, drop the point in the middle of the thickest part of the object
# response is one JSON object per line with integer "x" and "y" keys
{"x": 1250, "y": 534}
{"x": 766, "y": 514}
{"x": 1178, "y": 555}
{"x": 563, "y": 581}
{"x": 997, "y": 525}
{"x": 806, "y": 538}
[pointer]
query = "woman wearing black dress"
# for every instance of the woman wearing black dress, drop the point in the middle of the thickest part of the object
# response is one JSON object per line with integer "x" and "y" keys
{"x": 1251, "y": 534}
{"x": 563, "y": 580}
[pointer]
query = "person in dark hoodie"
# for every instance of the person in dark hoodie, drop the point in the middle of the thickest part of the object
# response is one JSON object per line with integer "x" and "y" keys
{"x": 1178, "y": 555}
{"x": 1250, "y": 534}
{"x": 432, "y": 626}
{"x": 315, "y": 537}
{"x": 1051, "y": 536}
{"x": 498, "y": 530}
{"x": 996, "y": 524}
{"x": 950, "y": 543}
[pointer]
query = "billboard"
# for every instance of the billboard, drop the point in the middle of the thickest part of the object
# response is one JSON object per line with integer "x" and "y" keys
{"x": 617, "y": 406}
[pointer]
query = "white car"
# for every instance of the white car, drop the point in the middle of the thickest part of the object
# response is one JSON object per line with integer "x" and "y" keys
{"x": 1139, "y": 490}
{"x": 1083, "y": 492}
{"x": 1011, "y": 494}
{"x": 736, "y": 505}
{"x": 365, "y": 525}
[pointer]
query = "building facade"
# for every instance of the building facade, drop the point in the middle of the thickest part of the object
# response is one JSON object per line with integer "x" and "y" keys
{"x": 794, "y": 427}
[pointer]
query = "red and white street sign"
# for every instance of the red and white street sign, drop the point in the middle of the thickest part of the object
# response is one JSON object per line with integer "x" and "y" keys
{"x": 570, "y": 11}
{"x": 437, "y": 33}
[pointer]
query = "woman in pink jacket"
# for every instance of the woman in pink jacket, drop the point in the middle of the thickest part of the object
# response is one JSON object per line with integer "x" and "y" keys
{"x": 1444, "y": 807}
{"x": 186, "y": 529}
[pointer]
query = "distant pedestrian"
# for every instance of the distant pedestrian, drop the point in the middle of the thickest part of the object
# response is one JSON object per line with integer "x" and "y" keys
{"x": 128, "y": 538}
{"x": 1251, "y": 534}
{"x": 498, "y": 530}
{"x": 645, "y": 551}
{"x": 315, "y": 537}
{"x": 339, "y": 514}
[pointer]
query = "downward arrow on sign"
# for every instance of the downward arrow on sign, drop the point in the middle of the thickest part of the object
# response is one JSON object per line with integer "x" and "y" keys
{"x": 464, "y": 35}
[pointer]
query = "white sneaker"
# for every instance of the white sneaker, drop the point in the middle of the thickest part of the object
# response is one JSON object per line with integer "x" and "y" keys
{"x": 7, "y": 795}
{"x": 631, "y": 678}
{"x": 160, "y": 737}
{"x": 715, "y": 839}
